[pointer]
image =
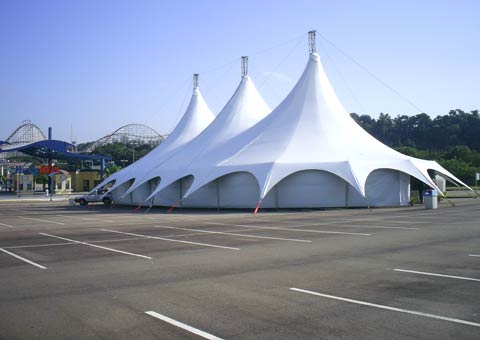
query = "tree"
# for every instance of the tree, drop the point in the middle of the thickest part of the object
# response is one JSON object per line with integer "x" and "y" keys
{"x": 42, "y": 179}
{"x": 111, "y": 168}
{"x": 453, "y": 139}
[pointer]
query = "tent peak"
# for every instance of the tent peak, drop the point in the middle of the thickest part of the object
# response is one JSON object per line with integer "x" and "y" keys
{"x": 315, "y": 57}
{"x": 195, "y": 82}
{"x": 244, "y": 66}
{"x": 312, "y": 46}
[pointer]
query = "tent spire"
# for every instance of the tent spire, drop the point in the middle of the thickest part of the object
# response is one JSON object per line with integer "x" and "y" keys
{"x": 311, "y": 42}
{"x": 244, "y": 66}
{"x": 195, "y": 82}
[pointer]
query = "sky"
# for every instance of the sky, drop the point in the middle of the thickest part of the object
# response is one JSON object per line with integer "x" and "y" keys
{"x": 88, "y": 67}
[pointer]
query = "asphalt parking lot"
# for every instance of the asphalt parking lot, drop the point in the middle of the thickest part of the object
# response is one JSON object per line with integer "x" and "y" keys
{"x": 98, "y": 273}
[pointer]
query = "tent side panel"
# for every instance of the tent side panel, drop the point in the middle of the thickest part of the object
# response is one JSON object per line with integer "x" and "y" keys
{"x": 168, "y": 196}
{"x": 118, "y": 192}
{"x": 354, "y": 199}
{"x": 311, "y": 189}
{"x": 205, "y": 197}
{"x": 140, "y": 194}
{"x": 238, "y": 190}
{"x": 383, "y": 188}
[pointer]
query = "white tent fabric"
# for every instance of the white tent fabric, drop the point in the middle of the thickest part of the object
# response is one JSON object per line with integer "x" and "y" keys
{"x": 309, "y": 130}
{"x": 245, "y": 108}
{"x": 195, "y": 119}
{"x": 308, "y": 152}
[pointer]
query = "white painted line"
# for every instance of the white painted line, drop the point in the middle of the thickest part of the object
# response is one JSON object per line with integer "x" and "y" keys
{"x": 380, "y": 220}
{"x": 23, "y": 259}
{"x": 41, "y": 245}
{"x": 22, "y": 211}
{"x": 434, "y": 274}
{"x": 95, "y": 219}
{"x": 72, "y": 243}
{"x": 100, "y": 241}
{"x": 7, "y": 225}
{"x": 171, "y": 240}
{"x": 377, "y": 227}
{"x": 351, "y": 226}
{"x": 428, "y": 315}
{"x": 86, "y": 218}
{"x": 288, "y": 229}
{"x": 234, "y": 234}
{"x": 474, "y": 255}
{"x": 38, "y": 219}
{"x": 402, "y": 222}
{"x": 179, "y": 324}
{"x": 96, "y": 246}
{"x": 347, "y": 221}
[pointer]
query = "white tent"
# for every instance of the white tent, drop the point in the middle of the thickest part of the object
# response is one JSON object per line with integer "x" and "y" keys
{"x": 311, "y": 152}
{"x": 308, "y": 152}
{"x": 195, "y": 119}
{"x": 244, "y": 109}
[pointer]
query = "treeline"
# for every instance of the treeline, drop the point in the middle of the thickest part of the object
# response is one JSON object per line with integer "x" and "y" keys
{"x": 123, "y": 154}
{"x": 453, "y": 139}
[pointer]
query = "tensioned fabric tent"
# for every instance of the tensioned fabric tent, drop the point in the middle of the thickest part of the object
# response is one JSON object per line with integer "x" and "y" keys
{"x": 308, "y": 152}
{"x": 195, "y": 119}
{"x": 244, "y": 109}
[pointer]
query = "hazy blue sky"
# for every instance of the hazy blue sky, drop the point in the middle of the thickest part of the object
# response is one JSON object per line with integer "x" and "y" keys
{"x": 97, "y": 65}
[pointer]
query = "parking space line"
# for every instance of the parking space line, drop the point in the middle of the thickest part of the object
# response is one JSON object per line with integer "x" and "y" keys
{"x": 71, "y": 243}
{"x": 434, "y": 274}
{"x": 390, "y": 220}
{"x": 474, "y": 255}
{"x": 346, "y": 223}
{"x": 171, "y": 240}
{"x": 23, "y": 259}
{"x": 86, "y": 218}
{"x": 97, "y": 246}
{"x": 352, "y": 226}
{"x": 38, "y": 219}
{"x": 288, "y": 229}
{"x": 346, "y": 220}
{"x": 99, "y": 241}
{"x": 395, "y": 309}
{"x": 22, "y": 211}
{"x": 378, "y": 227}
{"x": 371, "y": 220}
{"x": 234, "y": 234}
{"x": 7, "y": 225}
{"x": 40, "y": 245}
{"x": 179, "y": 324}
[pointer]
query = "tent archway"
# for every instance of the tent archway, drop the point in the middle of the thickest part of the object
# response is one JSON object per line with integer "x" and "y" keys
{"x": 142, "y": 192}
{"x": 168, "y": 196}
{"x": 383, "y": 187}
{"x": 310, "y": 188}
{"x": 118, "y": 192}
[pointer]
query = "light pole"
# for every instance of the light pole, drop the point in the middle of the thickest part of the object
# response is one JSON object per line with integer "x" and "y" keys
{"x": 133, "y": 152}
{"x": 18, "y": 184}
